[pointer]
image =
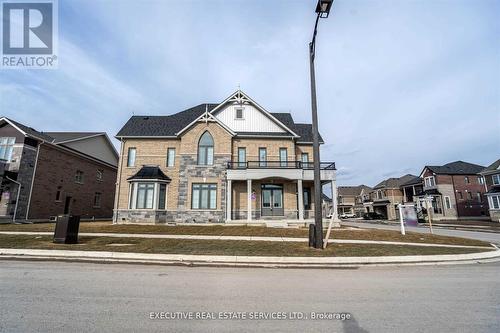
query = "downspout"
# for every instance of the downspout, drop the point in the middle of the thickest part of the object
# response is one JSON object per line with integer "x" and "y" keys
{"x": 455, "y": 194}
{"x": 17, "y": 199}
{"x": 118, "y": 183}
{"x": 33, "y": 180}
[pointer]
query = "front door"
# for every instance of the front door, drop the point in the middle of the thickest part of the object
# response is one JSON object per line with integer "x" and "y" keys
{"x": 272, "y": 200}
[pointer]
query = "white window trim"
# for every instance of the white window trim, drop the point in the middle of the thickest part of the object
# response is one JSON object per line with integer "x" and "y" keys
{"x": 497, "y": 177}
{"x": 490, "y": 202}
{"x": 134, "y": 187}
{"x": 447, "y": 202}
{"x": 131, "y": 165}
{"x": 428, "y": 178}
{"x": 173, "y": 158}
{"x": 236, "y": 109}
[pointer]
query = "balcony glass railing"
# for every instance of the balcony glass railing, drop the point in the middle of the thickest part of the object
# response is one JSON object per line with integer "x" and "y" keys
{"x": 279, "y": 165}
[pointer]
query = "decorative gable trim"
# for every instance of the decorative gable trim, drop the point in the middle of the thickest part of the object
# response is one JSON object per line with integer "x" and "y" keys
{"x": 206, "y": 117}
{"x": 239, "y": 97}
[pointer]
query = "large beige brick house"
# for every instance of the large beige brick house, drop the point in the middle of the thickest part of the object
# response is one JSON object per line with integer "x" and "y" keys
{"x": 232, "y": 161}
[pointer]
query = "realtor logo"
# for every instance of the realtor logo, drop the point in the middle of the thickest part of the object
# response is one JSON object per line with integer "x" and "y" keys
{"x": 29, "y": 34}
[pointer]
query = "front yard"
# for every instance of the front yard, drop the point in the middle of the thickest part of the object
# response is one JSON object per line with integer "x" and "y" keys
{"x": 232, "y": 247}
{"x": 222, "y": 247}
{"x": 222, "y": 230}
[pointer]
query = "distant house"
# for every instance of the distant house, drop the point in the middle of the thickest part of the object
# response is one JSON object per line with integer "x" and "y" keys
{"x": 412, "y": 189}
{"x": 457, "y": 190}
{"x": 349, "y": 199}
{"x": 387, "y": 195}
{"x": 491, "y": 175}
{"x": 46, "y": 174}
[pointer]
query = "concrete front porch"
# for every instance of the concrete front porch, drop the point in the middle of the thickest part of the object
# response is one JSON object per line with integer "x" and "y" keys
{"x": 272, "y": 193}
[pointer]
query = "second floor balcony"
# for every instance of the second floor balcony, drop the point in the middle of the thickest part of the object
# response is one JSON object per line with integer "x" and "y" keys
{"x": 278, "y": 169}
{"x": 279, "y": 165}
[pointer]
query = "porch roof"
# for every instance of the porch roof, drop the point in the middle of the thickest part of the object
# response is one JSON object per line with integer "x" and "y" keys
{"x": 150, "y": 173}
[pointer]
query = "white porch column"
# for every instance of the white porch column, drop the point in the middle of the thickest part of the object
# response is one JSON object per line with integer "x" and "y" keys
{"x": 335, "y": 213}
{"x": 249, "y": 200}
{"x": 300, "y": 196}
{"x": 229, "y": 201}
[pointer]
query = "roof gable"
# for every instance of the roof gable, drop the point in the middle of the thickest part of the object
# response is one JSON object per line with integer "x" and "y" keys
{"x": 280, "y": 124}
{"x": 492, "y": 168}
{"x": 255, "y": 116}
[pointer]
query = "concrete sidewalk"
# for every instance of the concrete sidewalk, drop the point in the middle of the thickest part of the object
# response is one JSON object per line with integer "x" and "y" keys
{"x": 246, "y": 261}
{"x": 243, "y": 238}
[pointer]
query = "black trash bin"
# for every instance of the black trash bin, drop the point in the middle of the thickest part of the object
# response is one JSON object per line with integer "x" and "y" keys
{"x": 67, "y": 229}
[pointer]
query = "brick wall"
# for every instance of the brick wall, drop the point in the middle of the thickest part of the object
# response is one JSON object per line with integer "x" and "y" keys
{"x": 56, "y": 170}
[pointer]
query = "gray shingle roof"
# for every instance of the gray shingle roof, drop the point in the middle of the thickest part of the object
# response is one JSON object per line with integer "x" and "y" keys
{"x": 31, "y": 131}
{"x": 414, "y": 181}
{"x": 352, "y": 190}
{"x": 394, "y": 182}
{"x": 456, "y": 168}
{"x": 492, "y": 167}
{"x": 164, "y": 126}
{"x": 68, "y": 136}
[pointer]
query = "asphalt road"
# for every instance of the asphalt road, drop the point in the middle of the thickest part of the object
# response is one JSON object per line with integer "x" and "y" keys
{"x": 83, "y": 297}
{"x": 490, "y": 237}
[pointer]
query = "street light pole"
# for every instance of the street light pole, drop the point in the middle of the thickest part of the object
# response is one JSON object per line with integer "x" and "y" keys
{"x": 322, "y": 9}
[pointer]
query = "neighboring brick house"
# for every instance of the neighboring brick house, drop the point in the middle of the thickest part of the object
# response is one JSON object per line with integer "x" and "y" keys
{"x": 350, "y": 199}
{"x": 386, "y": 196}
{"x": 211, "y": 154}
{"x": 491, "y": 175}
{"x": 46, "y": 174}
{"x": 457, "y": 191}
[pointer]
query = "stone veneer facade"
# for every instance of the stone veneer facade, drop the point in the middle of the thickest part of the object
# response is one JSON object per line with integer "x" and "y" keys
{"x": 186, "y": 171}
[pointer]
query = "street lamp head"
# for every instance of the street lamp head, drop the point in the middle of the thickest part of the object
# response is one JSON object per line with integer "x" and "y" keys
{"x": 323, "y": 7}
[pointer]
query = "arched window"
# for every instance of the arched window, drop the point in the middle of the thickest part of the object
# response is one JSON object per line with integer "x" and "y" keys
{"x": 206, "y": 150}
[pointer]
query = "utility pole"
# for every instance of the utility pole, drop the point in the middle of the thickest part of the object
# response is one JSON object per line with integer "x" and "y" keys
{"x": 322, "y": 9}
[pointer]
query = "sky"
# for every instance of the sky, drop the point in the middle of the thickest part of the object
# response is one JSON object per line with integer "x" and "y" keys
{"x": 400, "y": 83}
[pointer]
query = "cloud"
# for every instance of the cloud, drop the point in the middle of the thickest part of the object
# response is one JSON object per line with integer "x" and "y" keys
{"x": 400, "y": 84}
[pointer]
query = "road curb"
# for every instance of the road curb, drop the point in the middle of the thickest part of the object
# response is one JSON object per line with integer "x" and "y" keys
{"x": 244, "y": 261}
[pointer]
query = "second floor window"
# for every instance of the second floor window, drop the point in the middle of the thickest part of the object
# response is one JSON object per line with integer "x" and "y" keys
{"x": 305, "y": 158}
{"x": 430, "y": 181}
{"x": 99, "y": 175}
{"x": 480, "y": 180}
{"x": 6, "y": 148}
{"x": 283, "y": 157}
{"x": 170, "y": 157}
{"x": 466, "y": 180}
{"x": 131, "y": 157}
{"x": 262, "y": 157}
{"x": 79, "y": 177}
{"x": 496, "y": 179}
{"x": 206, "y": 150}
{"x": 242, "y": 157}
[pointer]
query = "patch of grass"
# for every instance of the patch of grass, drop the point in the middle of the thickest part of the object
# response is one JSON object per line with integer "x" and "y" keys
{"x": 357, "y": 234}
{"x": 218, "y": 247}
